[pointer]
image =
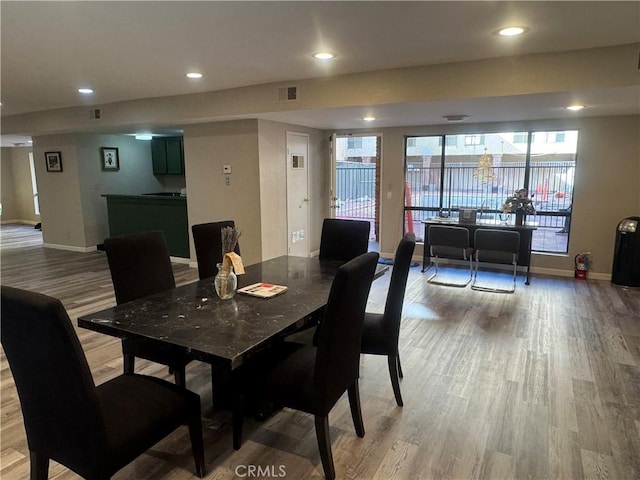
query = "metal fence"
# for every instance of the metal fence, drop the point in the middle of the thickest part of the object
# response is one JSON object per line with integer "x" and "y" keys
{"x": 356, "y": 190}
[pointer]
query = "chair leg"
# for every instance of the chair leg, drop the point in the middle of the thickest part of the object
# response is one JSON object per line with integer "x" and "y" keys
{"x": 393, "y": 361}
{"x": 356, "y": 411}
{"x": 180, "y": 376}
{"x": 39, "y": 466}
{"x": 324, "y": 445}
{"x": 197, "y": 442}
{"x": 400, "y": 374}
{"x": 129, "y": 362}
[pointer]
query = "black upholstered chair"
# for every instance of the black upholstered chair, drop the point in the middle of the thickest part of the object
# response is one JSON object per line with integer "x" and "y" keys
{"x": 449, "y": 242}
{"x": 312, "y": 379}
{"x": 381, "y": 331}
{"x": 496, "y": 246}
{"x": 94, "y": 431}
{"x": 207, "y": 240}
{"x": 140, "y": 266}
{"x": 344, "y": 239}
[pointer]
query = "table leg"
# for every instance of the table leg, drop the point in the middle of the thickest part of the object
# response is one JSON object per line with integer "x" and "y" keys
{"x": 238, "y": 418}
{"x": 528, "y": 278}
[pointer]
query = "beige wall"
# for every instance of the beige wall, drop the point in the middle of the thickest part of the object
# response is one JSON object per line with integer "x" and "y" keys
{"x": 606, "y": 184}
{"x": 73, "y": 210}
{"x": 17, "y": 191}
{"x": 207, "y": 148}
{"x": 522, "y": 75}
{"x": 273, "y": 185}
{"x": 256, "y": 198}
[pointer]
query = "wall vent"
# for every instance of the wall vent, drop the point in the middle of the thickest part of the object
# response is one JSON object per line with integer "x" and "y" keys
{"x": 287, "y": 93}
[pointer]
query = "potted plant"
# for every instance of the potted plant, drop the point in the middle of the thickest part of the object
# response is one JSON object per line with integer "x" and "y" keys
{"x": 519, "y": 203}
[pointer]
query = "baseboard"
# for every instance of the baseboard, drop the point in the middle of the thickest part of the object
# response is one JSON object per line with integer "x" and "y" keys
{"x": 70, "y": 248}
{"x": 554, "y": 272}
{"x": 569, "y": 273}
{"x": 21, "y": 222}
{"x": 181, "y": 260}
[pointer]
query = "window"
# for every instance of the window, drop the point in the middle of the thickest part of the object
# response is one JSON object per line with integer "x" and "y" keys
{"x": 411, "y": 142}
{"x": 519, "y": 138}
{"x": 474, "y": 140}
{"x": 34, "y": 185}
{"x": 354, "y": 143}
{"x": 480, "y": 171}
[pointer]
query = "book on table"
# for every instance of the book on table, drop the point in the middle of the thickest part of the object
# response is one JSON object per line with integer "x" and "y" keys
{"x": 263, "y": 290}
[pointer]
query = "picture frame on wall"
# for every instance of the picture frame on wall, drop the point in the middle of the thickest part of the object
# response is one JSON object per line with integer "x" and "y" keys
{"x": 110, "y": 159}
{"x": 53, "y": 161}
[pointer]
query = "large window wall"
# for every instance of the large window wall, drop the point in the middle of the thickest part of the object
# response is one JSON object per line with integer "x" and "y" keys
{"x": 447, "y": 172}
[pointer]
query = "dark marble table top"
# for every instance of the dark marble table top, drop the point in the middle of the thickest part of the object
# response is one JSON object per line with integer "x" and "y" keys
{"x": 224, "y": 331}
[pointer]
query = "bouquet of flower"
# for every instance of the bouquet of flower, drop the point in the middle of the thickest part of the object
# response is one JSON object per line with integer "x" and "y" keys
{"x": 519, "y": 202}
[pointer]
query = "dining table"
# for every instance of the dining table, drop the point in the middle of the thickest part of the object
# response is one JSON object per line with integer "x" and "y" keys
{"x": 227, "y": 333}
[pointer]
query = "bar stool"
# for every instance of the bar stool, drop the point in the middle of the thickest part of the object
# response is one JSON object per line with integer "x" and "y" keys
{"x": 496, "y": 246}
{"x": 449, "y": 242}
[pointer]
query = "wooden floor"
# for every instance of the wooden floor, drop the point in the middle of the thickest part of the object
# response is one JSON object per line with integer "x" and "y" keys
{"x": 544, "y": 383}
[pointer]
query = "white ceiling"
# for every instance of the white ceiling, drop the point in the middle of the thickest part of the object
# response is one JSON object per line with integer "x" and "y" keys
{"x": 132, "y": 50}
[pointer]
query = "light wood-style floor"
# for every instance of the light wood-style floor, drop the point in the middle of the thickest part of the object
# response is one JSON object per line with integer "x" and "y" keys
{"x": 542, "y": 384}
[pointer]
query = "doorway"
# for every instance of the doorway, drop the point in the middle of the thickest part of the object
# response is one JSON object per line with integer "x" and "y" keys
{"x": 355, "y": 180}
{"x": 297, "y": 194}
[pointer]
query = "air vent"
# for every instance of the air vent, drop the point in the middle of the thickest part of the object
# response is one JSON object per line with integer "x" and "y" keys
{"x": 288, "y": 93}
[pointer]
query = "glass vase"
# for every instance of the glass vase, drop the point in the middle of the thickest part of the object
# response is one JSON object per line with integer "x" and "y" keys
{"x": 225, "y": 282}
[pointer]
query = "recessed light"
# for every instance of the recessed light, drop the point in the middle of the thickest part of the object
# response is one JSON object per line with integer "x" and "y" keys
{"x": 323, "y": 55}
{"x": 194, "y": 75}
{"x": 144, "y": 136}
{"x": 85, "y": 91}
{"x": 511, "y": 31}
{"x": 369, "y": 118}
{"x": 575, "y": 108}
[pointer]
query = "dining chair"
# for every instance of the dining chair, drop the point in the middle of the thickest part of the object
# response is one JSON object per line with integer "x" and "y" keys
{"x": 207, "y": 240}
{"x": 312, "y": 378}
{"x": 92, "y": 430}
{"x": 343, "y": 239}
{"x": 453, "y": 243}
{"x": 496, "y": 246}
{"x": 140, "y": 265}
{"x": 381, "y": 331}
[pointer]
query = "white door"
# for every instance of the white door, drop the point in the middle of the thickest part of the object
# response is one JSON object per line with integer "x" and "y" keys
{"x": 297, "y": 194}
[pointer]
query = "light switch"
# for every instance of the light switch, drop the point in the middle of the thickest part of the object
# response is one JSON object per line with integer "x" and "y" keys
{"x": 226, "y": 169}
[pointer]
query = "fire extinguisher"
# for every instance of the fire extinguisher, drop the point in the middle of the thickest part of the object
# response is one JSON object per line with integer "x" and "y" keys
{"x": 582, "y": 265}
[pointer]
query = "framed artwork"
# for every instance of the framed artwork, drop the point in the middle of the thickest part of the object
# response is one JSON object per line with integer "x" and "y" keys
{"x": 54, "y": 161}
{"x": 110, "y": 159}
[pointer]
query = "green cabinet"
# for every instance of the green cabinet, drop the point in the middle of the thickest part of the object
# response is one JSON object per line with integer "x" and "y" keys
{"x": 130, "y": 214}
{"x": 167, "y": 155}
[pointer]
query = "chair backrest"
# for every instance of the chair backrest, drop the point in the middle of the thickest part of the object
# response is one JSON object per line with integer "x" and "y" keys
{"x": 449, "y": 242}
{"x": 496, "y": 246}
{"x": 61, "y": 411}
{"x": 398, "y": 285}
{"x": 447, "y": 236}
{"x": 207, "y": 240}
{"x": 140, "y": 265}
{"x": 340, "y": 331}
{"x": 344, "y": 239}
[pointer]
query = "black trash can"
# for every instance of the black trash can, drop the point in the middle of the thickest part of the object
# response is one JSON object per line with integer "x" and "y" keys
{"x": 626, "y": 255}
